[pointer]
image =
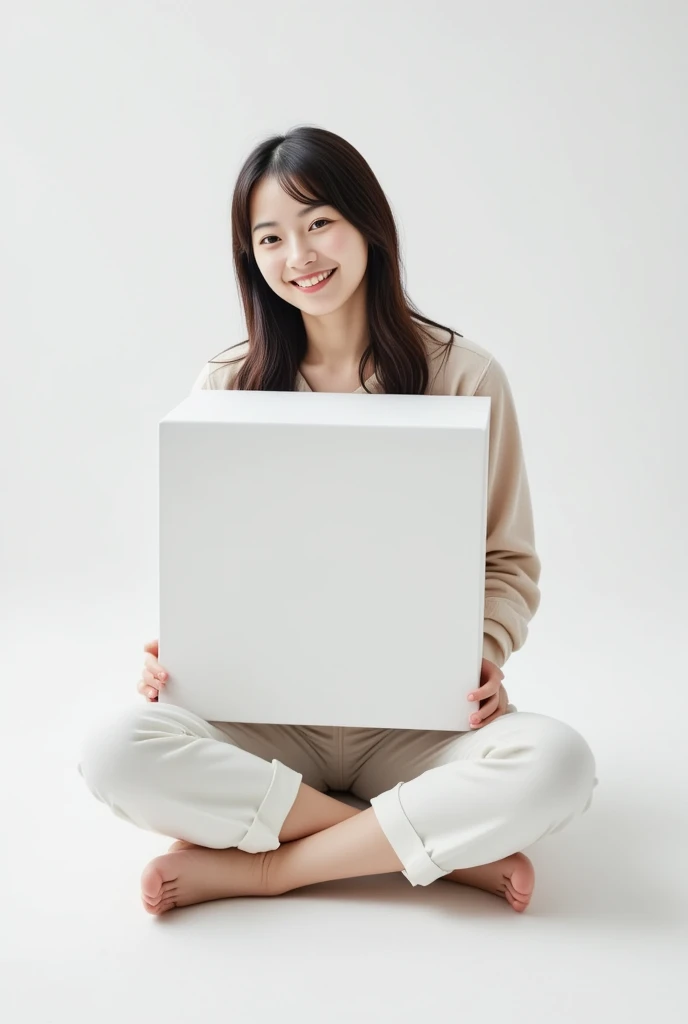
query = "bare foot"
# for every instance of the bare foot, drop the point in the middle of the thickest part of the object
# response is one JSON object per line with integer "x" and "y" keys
{"x": 195, "y": 874}
{"x": 512, "y": 877}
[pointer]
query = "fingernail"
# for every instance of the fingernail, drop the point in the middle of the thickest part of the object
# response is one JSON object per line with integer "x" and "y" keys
{"x": 151, "y": 691}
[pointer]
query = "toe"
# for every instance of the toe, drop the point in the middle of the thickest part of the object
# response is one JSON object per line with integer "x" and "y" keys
{"x": 516, "y": 893}
{"x": 150, "y": 907}
{"x": 158, "y": 876}
{"x": 158, "y": 900}
{"x": 152, "y": 883}
{"x": 522, "y": 878}
{"x": 162, "y": 905}
{"x": 518, "y": 905}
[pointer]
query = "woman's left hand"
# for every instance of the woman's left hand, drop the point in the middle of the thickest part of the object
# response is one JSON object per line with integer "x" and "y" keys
{"x": 491, "y": 694}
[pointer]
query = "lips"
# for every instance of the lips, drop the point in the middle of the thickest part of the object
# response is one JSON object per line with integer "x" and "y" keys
{"x": 331, "y": 273}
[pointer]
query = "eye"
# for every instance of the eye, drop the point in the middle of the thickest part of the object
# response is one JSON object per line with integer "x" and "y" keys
{"x": 320, "y": 220}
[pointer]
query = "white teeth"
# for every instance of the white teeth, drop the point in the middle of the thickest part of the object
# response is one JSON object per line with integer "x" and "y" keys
{"x": 314, "y": 280}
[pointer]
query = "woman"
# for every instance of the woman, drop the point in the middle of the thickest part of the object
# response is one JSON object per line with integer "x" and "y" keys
{"x": 317, "y": 260}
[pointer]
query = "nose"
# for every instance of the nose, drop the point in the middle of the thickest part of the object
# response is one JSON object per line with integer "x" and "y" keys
{"x": 300, "y": 259}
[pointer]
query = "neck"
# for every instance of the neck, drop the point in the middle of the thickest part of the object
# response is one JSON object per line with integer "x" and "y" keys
{"x": 337, "y": 340}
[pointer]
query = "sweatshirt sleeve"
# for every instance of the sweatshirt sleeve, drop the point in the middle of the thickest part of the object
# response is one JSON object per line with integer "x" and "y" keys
{"x": 512, "y": 566}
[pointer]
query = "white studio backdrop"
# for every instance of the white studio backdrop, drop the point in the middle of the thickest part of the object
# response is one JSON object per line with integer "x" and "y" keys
{"x": 535, "y": 157}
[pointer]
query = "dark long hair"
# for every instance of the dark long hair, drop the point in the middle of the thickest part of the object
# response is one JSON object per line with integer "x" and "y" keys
{"x": 312, "y": 164}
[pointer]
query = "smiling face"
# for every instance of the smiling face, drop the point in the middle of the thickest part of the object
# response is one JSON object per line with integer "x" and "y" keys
{"x": 303, "y": 242}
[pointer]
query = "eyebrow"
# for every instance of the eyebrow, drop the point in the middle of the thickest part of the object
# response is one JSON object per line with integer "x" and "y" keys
{"x": 301, "y": 213}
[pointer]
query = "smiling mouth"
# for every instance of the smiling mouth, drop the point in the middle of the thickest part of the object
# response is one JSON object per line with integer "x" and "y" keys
{"x": 305, "y": 288}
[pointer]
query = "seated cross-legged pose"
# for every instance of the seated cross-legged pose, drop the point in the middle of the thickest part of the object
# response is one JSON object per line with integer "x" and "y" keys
{"x": 317, "y": 259}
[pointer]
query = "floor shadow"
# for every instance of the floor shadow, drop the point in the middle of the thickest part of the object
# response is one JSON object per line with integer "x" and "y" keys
{"x": 602, "y": 869}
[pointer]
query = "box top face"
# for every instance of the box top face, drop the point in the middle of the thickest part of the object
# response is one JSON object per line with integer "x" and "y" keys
{"x": 332, "y": 409}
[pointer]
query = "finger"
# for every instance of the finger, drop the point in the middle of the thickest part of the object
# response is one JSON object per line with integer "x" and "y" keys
{"x": 485, "y": 710}
{"x": 498, "y": 714}
{"x": 151, "y": 647}
{"x": 153, "y": 666}
{"x": 151, "y": 679}
{"x": 150, "y": 692}
{"x": 491, "y": 685}
{"x": 488, "y": 689}
{"x": 501, "y": 709}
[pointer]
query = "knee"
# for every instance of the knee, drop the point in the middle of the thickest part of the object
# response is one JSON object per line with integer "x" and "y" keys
{"x": 563, "y": 758}
{"x": 111, "y": 755}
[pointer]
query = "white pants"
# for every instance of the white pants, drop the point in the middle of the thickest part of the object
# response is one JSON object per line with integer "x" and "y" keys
{"x": 444, "y": 800}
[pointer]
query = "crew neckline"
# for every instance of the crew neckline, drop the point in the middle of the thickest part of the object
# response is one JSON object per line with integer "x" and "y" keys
{"x": 303, "y": 385}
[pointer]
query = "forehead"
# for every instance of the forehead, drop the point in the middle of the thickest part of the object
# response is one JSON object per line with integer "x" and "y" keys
{"x": 270, "y": 201}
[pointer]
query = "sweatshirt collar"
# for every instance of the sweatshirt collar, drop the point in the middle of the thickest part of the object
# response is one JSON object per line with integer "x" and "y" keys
{"x": 372, "y": 383}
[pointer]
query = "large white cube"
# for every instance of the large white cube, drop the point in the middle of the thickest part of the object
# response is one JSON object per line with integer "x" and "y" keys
{"x": 322, "y": 557}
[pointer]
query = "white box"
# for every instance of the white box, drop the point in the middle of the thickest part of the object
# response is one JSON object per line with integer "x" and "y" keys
{"x": 322, "y": 557}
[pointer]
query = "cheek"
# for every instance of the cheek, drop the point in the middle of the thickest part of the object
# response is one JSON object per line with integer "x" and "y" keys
{"x": 351, "y": 251}
{"x": 342, "y": 245}
{"x": 336, "y": 246}
{"x": 341, "y": 250}
{"x": 269, "y": 268}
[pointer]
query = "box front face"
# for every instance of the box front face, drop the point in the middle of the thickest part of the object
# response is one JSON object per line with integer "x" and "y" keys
{"x": 321, "y": 576}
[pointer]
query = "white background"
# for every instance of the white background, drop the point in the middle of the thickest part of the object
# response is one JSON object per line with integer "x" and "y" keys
{"x": 534, "y": 155}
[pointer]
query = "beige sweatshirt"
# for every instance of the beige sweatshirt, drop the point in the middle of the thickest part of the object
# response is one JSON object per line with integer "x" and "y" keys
{"x": 512, "y": 567}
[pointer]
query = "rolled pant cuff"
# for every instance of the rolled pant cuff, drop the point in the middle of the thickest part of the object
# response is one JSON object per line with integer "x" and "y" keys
{"x": 278, "y": 801}
{"x": 419, "y": 868}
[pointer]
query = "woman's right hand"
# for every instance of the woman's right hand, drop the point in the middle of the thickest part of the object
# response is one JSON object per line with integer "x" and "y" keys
{"x": 153, "y": 675}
